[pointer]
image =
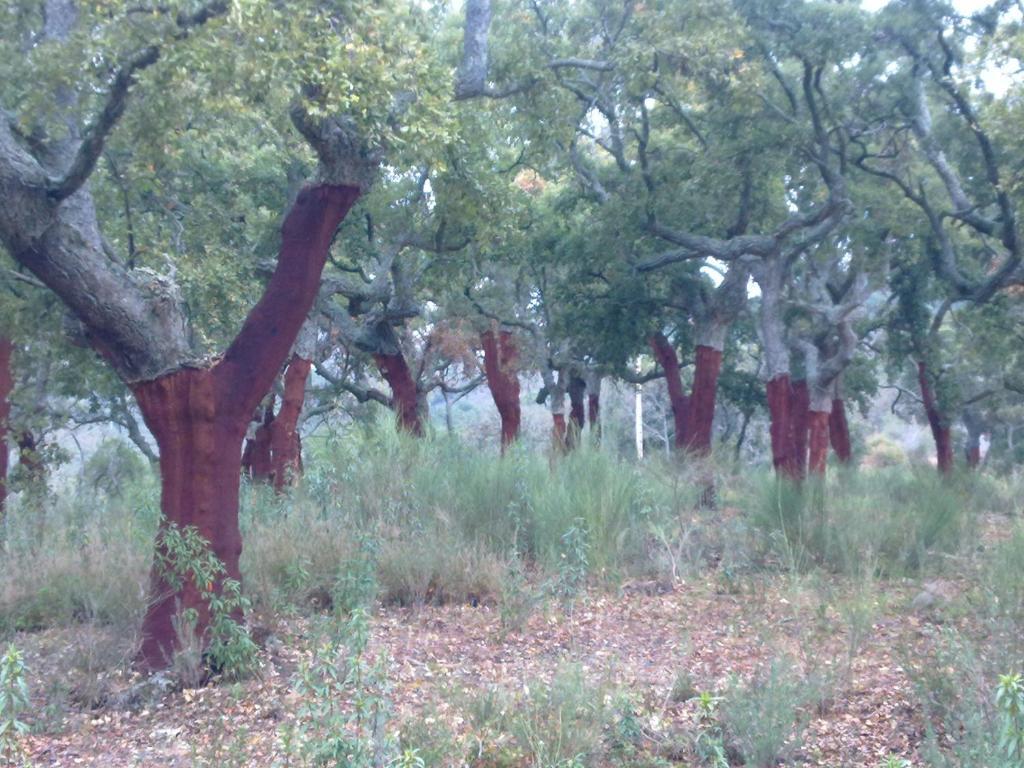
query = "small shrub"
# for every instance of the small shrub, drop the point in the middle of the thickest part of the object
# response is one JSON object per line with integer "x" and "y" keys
{"x": 557, "y": 725}
{"x": 1010, "y": 704}
{"x": 709, "y": 742}
{"x": 344, "y": 711}
{"x": 683, "y": 688}
{"x": 185, "y": 555}
{"x": 14, "y": 702}
{"x": 765, "y": 719}
{"x": 517, "y": 600}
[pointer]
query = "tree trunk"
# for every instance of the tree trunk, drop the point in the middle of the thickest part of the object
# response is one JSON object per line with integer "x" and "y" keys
{"x": 199, "y": 474}
{"x": 839, "y": 432}
{"x": 702, "y": 399}
{"x": 501, "y": 357}
{"x": 976, "y": 427}
{"x": 404, "y": 395}
{"x": 559, "y": 439}
{"x": 6, "y": 387}
{"x": 972, "y": 452}
{"x": 256, "y": 458}
{"x": 818, "y": 415}
{"x": 666, "y": 356}
{"x": 556, "y": 402}
{"x": 798, "y": 419}
{"x": 285, "y": 449}
{"x": 939, "y": 426}
{"x": 778, "y": 391}
{"x": 818, "y": 431}
{"x": 594, "y": 404}
{"x": 199, "y": 415}
{"x": 577, "y": 411}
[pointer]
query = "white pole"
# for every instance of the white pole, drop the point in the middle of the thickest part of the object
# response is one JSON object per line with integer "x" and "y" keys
{"x": 638, "y": 415}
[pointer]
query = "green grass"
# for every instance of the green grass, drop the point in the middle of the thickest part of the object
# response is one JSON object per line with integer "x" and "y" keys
{"x": 448, "y": 521}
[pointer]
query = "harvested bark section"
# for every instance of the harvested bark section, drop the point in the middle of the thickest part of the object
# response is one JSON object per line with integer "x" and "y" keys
{"x": 285, "y": 447}
{"x": 501, "y": 359}
{"x": 404, "y": 394}
{"x": 199, "y": 475}
{"x": 666, "y": 356}
{"x": 778, "y": 391}
{"x": 702, "y": 399}
{"x": 799, "y": 404}
{"x": 939, "y": 425}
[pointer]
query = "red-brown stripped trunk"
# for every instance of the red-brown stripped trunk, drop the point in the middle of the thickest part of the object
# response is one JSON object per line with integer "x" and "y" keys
{"x": 778, "y": 392}
{"x": 818, "y": 432}
{"x": 559, "y": 439}
{"x": 666, "y": 356}
{"x": 285, "y": 449}
{"x": 577, "y": 411}
{"x": 839, "y": 432}
{"x": 501, "y": 357}
{"x": 199, "y": 415}
{"x": 939, "y": 426}
{"x": 798, "y": 420}
{"x": 6, "y": 386}
{"x": 404, "y": 395}
{"x": 702, "y": 399}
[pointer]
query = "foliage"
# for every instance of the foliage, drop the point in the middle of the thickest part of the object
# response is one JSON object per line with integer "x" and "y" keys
{"x": 342, "y": 719}
{"x": 1010, "y": 703}
{"x": 184, "y": 555}
{"x": 14, "y": 702}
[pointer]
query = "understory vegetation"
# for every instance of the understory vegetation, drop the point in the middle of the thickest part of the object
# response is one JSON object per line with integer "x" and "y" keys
{"x": 383, "y": 522}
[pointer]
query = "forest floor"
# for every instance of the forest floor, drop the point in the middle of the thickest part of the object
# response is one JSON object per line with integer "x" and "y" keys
{"x": 662, "y": 643}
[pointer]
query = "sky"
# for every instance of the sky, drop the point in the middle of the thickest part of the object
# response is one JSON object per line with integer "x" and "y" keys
{"x": 964, "y": 6}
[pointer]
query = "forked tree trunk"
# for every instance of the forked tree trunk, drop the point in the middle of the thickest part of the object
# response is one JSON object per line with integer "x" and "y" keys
{"x": 404, "y": 394}
{"x": 702, "y": 399}
{"x": 940, "y": 426}
{"x": 6, "y": 387}
{"x": 577, "y": 411}
{"x": 256, "y": 459}
{"x": 839, "y": 432}
{"x": 285, "y": 449}
{"x": 666, "y": 356}
{"x": 798, "y": 420}
{"x": 199, "y": 415}
{"x": 778, "y": 391}
{"x": 501, "y": 357}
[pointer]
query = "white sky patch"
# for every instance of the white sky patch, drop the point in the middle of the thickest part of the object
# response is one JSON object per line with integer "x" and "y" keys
{"x": 963, "y": 6}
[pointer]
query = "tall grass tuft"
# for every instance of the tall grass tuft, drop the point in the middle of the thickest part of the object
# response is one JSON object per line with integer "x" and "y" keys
{"x": 876, "y": 522}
